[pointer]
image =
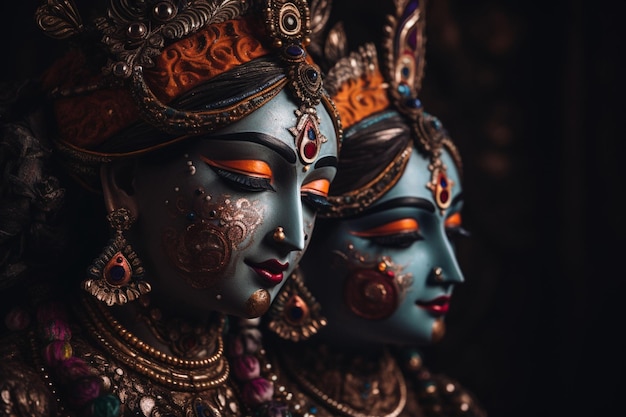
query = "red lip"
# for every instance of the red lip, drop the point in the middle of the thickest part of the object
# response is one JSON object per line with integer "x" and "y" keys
{"x": 439, "y": 305}
{"x": 271, "y": 271}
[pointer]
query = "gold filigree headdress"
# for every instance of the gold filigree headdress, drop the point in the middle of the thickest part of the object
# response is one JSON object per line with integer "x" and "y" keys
{"x": 366, "y": 94}
{"x": 159, "y": 50}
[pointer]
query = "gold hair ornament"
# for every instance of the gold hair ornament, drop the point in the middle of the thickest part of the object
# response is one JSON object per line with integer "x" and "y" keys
{"x": 288, "y": 23}
{"x": 404, "y": 44}
{"x": 365, "y": 96}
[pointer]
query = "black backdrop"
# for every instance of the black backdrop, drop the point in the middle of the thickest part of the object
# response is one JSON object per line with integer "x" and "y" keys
{"x": 532, "y": 92}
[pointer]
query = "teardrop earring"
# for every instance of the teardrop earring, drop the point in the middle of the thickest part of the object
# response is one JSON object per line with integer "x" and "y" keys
{"x": 295, "y": 314}
{"x": 115, "y": 277}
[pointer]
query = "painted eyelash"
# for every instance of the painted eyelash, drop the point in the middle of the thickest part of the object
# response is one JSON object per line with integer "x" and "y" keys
{"x": 315, "y": 201}
{"x": 459, "y": 231}
{"x": 398, "y": 240}
{"x": 244, "y": 181}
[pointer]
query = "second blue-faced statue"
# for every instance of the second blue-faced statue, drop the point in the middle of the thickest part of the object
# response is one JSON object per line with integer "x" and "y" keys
{"x": 393, "y": 258}
{"x": 378, "y": 276}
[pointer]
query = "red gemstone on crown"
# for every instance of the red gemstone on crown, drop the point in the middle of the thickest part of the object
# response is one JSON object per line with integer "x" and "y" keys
{"x": 310, "y": 150}
{"x": 443, "y": 197}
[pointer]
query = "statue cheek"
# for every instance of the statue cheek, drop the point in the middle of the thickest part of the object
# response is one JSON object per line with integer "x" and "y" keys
{"x": 375, "y": 286}
{"x": 370, "y": 294}
{"x": 219, "y": 228}
{"x": 201, "y": 253}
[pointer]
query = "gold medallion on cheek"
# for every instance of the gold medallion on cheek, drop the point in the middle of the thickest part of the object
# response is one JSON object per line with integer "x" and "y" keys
{"x": 258, "y": 303}
{"x": 218, "y": 229}
{"x": 439, "y": 330}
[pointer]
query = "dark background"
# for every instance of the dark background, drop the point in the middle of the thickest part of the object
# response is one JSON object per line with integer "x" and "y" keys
{"x": 532, "y": 93}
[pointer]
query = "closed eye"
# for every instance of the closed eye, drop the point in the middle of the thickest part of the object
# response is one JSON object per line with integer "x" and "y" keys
{"x": 398, "y": 240}
{"x": 249, "y": 175}
{"x": 244, "y": 182}
{"x": 454, "y": 228}
{"x": 315, "y": 194}
{"x": 399, "y": 233}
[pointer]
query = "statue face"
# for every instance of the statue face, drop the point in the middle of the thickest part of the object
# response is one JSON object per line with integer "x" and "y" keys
{"x": 389, "y": 273}
{"x": 223, "y": 221}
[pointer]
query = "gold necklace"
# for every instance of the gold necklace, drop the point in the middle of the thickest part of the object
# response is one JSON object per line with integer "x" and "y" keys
{"x": 344, "y": 409}
{"x": 174, "y": 372}
{"x": 184, "y": 340}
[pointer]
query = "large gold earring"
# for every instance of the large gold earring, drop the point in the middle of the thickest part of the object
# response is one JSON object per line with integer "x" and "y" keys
{"x": 115, "y": 277}
{"x": 295, "y": 314}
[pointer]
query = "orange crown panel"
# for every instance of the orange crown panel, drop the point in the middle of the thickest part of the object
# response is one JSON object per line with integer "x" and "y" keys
{"x": 360, "y": 98}
{"x": 202, "y": 56}
{"x": 89, "y": 118}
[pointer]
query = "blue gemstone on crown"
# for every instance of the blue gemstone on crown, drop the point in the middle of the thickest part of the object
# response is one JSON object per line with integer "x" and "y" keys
{"x": 295, "y": 50}
{"x": 404, "y": 90}
{"x": 414, "y": 103}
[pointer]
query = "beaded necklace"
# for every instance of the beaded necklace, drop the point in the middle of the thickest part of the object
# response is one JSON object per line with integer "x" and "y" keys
{"x": 81, "y": 390}
{"x": 176, "y": 373}
{"x": 77, "y": 381}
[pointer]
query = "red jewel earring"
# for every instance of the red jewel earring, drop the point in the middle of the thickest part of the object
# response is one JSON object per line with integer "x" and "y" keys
{"x": 295, "y": 314}
{"x": 115, "y": 277}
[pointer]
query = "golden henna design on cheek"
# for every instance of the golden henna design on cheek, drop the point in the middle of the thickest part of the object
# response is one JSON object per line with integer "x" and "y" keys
{"x": 202, "y": 251}
{"x": 375, "y": 285}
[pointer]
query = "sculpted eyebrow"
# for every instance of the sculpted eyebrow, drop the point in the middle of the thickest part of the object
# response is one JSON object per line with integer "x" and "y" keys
{"x": 327, "y": 161}
{"x": 271, "y": 142}
{"x": 401, "y": 202}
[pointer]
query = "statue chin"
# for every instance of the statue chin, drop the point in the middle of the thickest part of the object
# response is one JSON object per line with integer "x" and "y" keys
{"x": 439, "y": 330}
{"x": 258, "y": 304}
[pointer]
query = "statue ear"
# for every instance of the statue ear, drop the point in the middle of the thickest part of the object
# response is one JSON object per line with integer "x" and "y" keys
{"x": 118, "y": 186}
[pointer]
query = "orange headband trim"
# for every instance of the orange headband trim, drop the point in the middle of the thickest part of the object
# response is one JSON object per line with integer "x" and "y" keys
{"x": 360, "y": 98}
{"x": 95, "y": 111}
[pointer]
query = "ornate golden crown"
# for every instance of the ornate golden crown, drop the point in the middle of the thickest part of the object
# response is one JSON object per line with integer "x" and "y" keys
{"x": 158, "y": 50}
{"x": 362, "y": 92}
